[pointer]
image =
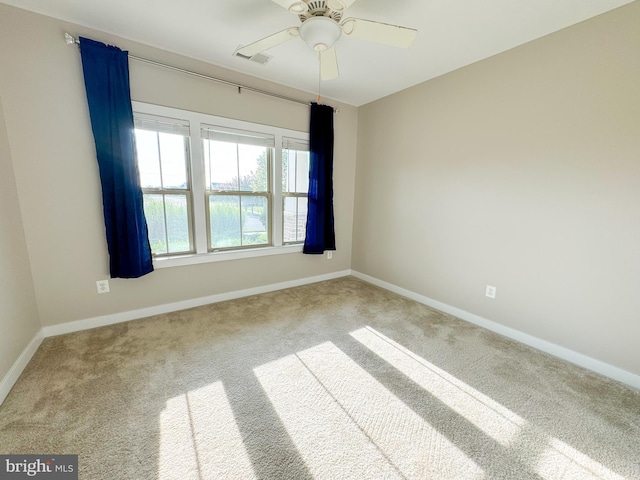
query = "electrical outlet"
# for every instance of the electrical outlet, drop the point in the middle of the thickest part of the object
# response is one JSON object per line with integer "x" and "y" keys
{"x": 491, "y": 291}
{"x": 103, "y": 286}
{"x": 329, "y": 255}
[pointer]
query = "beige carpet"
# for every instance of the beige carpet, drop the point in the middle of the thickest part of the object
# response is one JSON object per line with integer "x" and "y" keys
{"x": 336, "y": 380}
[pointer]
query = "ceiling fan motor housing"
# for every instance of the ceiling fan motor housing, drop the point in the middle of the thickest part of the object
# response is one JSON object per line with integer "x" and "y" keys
{"x": 319, "y": 8}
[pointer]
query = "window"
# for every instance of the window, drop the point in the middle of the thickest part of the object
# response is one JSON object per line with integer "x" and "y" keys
{"x": 216, "y": 188}
{"x": 295, "y": 186}
{"x": 238, "y": 193}
{"x": 163, "y": 151}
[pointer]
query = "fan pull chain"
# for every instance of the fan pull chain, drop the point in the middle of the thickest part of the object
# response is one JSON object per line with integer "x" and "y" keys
{"x": 319, "y": 77}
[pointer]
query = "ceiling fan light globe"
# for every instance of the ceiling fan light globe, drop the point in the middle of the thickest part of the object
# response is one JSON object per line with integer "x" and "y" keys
{"x": 320, "y": 33}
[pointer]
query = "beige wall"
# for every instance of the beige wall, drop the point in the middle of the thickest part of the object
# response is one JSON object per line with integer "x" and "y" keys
{"x": 521, "y": 171}
{"x": 18, "y": 311}
{"x": 57, "y": 176}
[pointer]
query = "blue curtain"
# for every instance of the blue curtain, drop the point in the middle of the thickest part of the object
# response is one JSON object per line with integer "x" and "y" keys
{"x": 320, "y": 228}
{"x": 106, "y": 79}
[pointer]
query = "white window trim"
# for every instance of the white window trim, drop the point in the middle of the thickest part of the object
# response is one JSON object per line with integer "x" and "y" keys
{"x": 202, "y": 255}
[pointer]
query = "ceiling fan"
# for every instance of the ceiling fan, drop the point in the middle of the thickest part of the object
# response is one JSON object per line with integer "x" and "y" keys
{"x": 322, "y": 26}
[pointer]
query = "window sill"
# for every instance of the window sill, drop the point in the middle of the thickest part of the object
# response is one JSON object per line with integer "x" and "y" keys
{"x": 194, "y": 259}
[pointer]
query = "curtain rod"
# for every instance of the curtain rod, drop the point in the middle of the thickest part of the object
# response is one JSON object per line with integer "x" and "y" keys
{"x": 72, "y": 40}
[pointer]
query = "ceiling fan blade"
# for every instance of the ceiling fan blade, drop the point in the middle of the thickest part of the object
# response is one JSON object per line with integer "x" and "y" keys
{"x": 379, "y": 32}
{"x": 268, "y": 42}
{"x": 339, "y": 5}
{"x": 329, "y": 64}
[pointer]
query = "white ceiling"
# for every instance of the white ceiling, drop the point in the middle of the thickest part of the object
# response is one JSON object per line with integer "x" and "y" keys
{"x": 451, "y": 34}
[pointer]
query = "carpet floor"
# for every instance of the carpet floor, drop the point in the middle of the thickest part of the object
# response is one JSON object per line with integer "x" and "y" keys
{"x": 335, "y": 380}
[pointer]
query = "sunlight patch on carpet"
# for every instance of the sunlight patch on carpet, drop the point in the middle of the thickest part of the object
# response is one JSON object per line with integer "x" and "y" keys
{"x": 199, "y": 438}
{"x": 495, "y": 420}
{"x": 560, "y": 460}
{"x": 346, "y": 424}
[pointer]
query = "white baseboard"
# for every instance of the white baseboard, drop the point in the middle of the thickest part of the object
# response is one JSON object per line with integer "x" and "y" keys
{"x": 584, "y": 361}
{"x": 102, "y": 321}
{"x": 615, "y": 373}
{"x": 10, "y": 379}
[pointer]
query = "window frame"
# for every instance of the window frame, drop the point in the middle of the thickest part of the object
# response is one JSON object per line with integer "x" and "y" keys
{"x": 199, "y": 195}
{"x": 146, "y": 122}
{"x": 221, "y": 133}
{"x": 293, "y": 145}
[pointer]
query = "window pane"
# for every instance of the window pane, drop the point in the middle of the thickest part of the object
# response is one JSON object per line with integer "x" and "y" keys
{"x": 255, "y": 220}
{"x": 154, "y": 213}
{"x": 207, "y": 163}
{"x": 177, "y": 215}
{"x": 174, "y": 162}
{"x": 221, "y": 164}
{"x": 302, "y": 172}
{"x": 295, "y": 171}
{"x": 302, "y": 219}
{"x": 295, "y": 219}
{"x": 148, "y": 158}
{"x": 285, "y": 170}
{"x": 253, "y": 168}
{"x": 224, "y": 215}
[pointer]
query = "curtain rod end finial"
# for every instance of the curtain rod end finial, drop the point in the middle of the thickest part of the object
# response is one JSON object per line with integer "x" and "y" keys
{"x": 69, "y": 39}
